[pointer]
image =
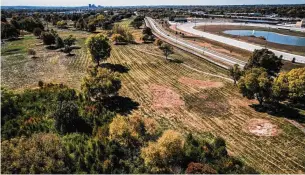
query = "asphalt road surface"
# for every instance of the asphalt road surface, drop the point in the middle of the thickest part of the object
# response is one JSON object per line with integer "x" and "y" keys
{"x": 219, "y": 57}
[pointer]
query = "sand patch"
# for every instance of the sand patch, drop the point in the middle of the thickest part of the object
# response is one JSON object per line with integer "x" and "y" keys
{"x": 199, "y": 83}
{"x": 165, "y": 97}
{"x": 261, "y": 127}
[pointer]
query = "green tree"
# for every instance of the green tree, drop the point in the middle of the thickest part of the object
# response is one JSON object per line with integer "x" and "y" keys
{"x": 100, "y": 83}
{"x": 68, "y": 42}
{"x": 59, "y": 43}
{"x": 148, "y": 38}
{"x": 37, "y": 32}
{"x": 61, "y": 24}
{"x": 91, "y": 27}
{"x": 136, "y": 24}
{"x": 147, "y": 31}
{"x": 98, "y": 47}
{"x": 256, "y": 83}
{"x": 100, "y": 19}
{"x": 235, "y": 73}
{"x": 48, "y": 38}
{"x": 66, "y": 117}
{"x": 30, "y": 23}
{"x": 266, "y": 59}
{"x": 8, "y": 31}
{"x": 167, "y": 49}
{"x": 81, "y": 24}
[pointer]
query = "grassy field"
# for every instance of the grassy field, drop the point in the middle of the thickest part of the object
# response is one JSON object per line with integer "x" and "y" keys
{"x": 198, "y": 97}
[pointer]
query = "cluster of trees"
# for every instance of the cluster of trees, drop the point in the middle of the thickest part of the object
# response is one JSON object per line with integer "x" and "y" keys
{"x": 81, "y": 137}
{"x": 55, "y": 129}
{"x": 12, "y": 28}
{"x": 137, "y": 22}
{"x": 121, "y": 35}
{"x": 51, "y": 38}
{"x": 261, "y": 79}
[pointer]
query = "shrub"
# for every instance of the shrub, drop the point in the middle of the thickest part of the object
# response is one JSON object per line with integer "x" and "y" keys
{"x": 118, "y": 38}
{"x": 199, "y": 168}
{"x": 48, "y": 38}
{"x": 40, "y": 84}
{"x": 59, "y": 43}
{"x": 32, "y": 52}
{"x": 158, "y": 42}
{"x": 61, "y": 24}
{"x": 91, "y": 27}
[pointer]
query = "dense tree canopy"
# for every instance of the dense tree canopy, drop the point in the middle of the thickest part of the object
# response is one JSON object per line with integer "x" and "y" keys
{"x": 266, "y": 59}
{"x": 255, "y": 83}
{"x": 100, "y": 83}
{"x": 8, "y": 31}
{"x": 41, "y": 153}
{"x": 290, "y": 85}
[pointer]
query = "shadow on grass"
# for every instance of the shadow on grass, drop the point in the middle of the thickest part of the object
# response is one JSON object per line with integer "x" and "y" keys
{"x": 281, "y": 110}
{"x": 175, "y": 61}
{"x": 70, "y": 55}
{"x": 11, "y": 51}
{"x": 115, "y": 67}
{"x": 121, "y": 105}
{"x": 51, "y": 47}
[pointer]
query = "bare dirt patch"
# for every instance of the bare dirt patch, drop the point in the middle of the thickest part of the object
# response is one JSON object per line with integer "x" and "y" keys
{"x": 262, "y": 127}
{"x": 199, "y": 83}
{"x": 165, "y": 97}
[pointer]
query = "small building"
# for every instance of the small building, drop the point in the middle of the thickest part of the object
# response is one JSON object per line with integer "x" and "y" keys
{"x": 300, "y": 24}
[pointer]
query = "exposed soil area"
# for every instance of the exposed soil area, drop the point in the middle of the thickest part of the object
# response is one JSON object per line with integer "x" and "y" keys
{"x": 165, "y": 97}
{"x": 218, "y": 29}
{"x": 262, "y": 127}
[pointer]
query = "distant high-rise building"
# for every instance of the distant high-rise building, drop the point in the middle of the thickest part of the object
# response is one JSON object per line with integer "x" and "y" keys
{"x": 89, "y": 5}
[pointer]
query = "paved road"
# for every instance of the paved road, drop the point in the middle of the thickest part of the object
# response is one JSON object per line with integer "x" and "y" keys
{"x": 189, "y": 28}
{"x": 219, "y": 57}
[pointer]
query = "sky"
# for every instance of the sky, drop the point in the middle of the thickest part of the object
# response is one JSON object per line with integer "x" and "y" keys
{"x": 141, "y": 2}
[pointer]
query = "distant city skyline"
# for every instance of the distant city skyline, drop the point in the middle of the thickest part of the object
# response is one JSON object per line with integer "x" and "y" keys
{"x": 141, "y": 2}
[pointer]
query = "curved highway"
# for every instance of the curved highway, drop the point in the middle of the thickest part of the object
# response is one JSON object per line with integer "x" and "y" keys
{"x": 218, "y": 58}
{"x": 189, "y": 28}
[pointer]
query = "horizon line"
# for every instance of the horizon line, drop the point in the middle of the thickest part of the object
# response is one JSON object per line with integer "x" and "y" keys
{"x": 142, "y": 5}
